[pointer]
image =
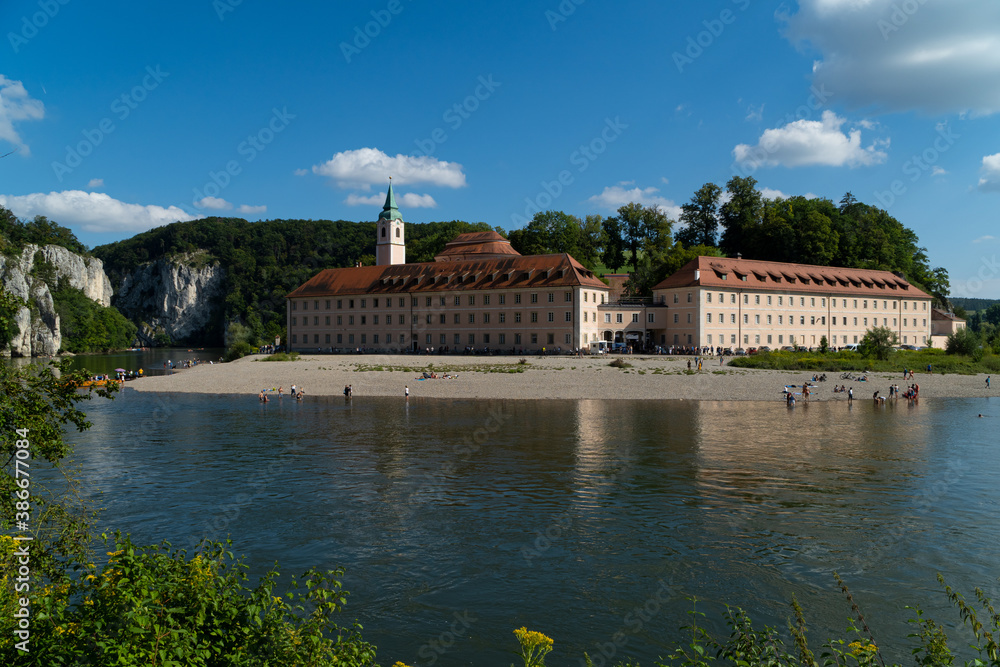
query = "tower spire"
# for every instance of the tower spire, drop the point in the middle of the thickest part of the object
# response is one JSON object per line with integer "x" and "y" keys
{"x": 389, "y": 210}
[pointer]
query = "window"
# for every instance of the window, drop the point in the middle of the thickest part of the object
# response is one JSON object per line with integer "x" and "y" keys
{"x": 517, "y": 317}
{"x": 374, "y": 303}
{"x": 534, "y": 317}
{"x": 402, "y": 319}
{"x": 855, "y": 322}
{"x": 746, "y": 299}
{"x": 635, "y": 317}
{"x": 458, "y": 301}
{"x": 769, "y": 300}
{"x": 502, "y": 339}
{"x": 350, "y": 303}
{"x": 708, "y": 297}
{"x": 375, "y": 336}
{"x": 865, "y": 303}
{"x": 472, "y": 339}
{"x": 486, "y": 338}
{"x": 472, "y": 299}
{"x": 350, "y": 319}
{"x": 441, "y": 319}
{"x": 305, "y": 305}
{"x": 768, "y": 339}
{"x": 607, "y": 318}
{"x": 517, "y": 339}
{"x": 732, "y": 338}
{"x": 294, "y": 322}
{"x": 364, "y": 319}
{"x": 295, "y": 305}
{"x": 585, "y": 297}
{"x": 503, "y": 299}
{"x": 486, "y": 318}
{"x": 388, "y": 338}
{"x": 756, "y": 299}
{"x": 551, "y": 338}
{"x": 442, "y": 340}
{"x": 441, "y": 302}
{"x": 722, "y": 297}
{"x": 503, "y": 317}
{"x": 651, "y": 318}
{"x": 328, "y": 308}
{"x": 689, "y": 297}
{"x": 413, "y": 302}
{"x": 756, "y": 339}
{"x": 486, "y": 302}
{"x": 429, "y": 318}
{"x": 732, "y": 318}
{"x": 746, "y": 319}
{"x": 328, "y": 322}
{"x": 472, "y": 318}
{"x": 350, "y": 338}
{"x": 517, "y": 298}
{"x": 780, "y": 299}
{"x": 802, "y": 320}
{"x": 780, "y": 318}
{"x": 534, "y": 297}
{"x": 316, "y": 320}
{"x": 552, "y": 317}
{"x": 534, "y": 339}
{"x": 427, "y": 302}
{"x": 388, "y": 319}
{"x": 374, "y": 319}
{"x": 675, "y": 298}
{"x": 769, "y": 321}
{"x": 756, "y": 319}
{"x": 340, "y": 338}
{"x": 689, "y": 318}
{"x": 866, "y": 321}
{"x": 569, "y": 316}
{"x": 618, "y": 318}
{"x": 552, "y": 297}
{"x": 364, "y": 302}
{"x": 402, "y": 303}
{"x": 676, "y": 318}
{"x": 584, "y": 316}
{"x": 708, "y": 318}
{"x": 732, "y": 299}
{"x": 802, "y": 301}
{"x": 568, "y": 297}
{"x": 458, "y": 339}
{"x": 458, "y": 318}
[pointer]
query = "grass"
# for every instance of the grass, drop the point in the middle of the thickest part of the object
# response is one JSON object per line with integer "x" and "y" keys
{"x": 833, "y": 362}
{"x": 620, "y": 363}
{"x": 281, "y": 356}
{"x": 440, "y": 370}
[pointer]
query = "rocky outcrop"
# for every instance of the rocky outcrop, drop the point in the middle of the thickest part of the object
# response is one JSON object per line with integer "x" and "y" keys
{"x": 32, "y": 275}
{"x": 178, "y": 297}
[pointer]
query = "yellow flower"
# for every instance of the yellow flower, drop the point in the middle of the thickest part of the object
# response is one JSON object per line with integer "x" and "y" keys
{"x": 400, "y": 664}
{"x": 529, "y": 639}
{"x": 857, "y": 648}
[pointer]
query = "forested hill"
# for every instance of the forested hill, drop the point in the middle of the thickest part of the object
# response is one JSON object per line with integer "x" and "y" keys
{"x": 264, "y": 261}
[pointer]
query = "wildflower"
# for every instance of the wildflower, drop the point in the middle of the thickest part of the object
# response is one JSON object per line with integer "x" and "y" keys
{"x": 400, "y": 664}
{"x": 857, "y": 648}
{"x": 534, "y": 646}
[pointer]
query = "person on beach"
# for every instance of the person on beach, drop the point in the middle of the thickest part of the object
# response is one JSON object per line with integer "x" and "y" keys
{"x": 293, "y": 391}
{"x": 850, "y": 395}
{"x": 406, "y": 392}
{"x": 805, "y": 392}
{"x": 987, "y": 381}
{"x": 280, "y": 391}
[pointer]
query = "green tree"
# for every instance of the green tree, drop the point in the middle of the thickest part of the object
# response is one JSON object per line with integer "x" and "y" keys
{"x": 964, "y": 341}
{"x": 701, "y": 217}
{"x": 614, "y": 245}
{"x": 40, "y": 404}
{"x": 741, "y": 217}
{"x": 9, "y": 307}
{"x": 878, "y": 343}
{"x": 633, "y": 230}
{"x": 591, "y": 241}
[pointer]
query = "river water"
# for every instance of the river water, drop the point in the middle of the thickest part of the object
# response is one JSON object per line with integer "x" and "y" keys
{"x": 579, "y": 519}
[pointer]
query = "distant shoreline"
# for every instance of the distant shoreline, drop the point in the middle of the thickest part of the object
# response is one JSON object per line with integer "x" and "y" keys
{"x": 549, "y": 377}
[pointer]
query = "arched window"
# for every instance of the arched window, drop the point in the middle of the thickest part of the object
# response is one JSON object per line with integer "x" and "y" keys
{"x": 383, "y": 231}
{"x": 397, "y": 232}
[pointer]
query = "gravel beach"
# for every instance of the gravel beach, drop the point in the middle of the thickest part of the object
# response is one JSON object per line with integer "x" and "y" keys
{"x": 551, "y": 377}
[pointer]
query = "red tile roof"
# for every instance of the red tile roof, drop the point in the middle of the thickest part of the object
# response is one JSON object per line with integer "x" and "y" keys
{"x": 786, "y": 277}
{"x": 531, "y": 272}
{"x": 476, "y": 244}
{"x": 938, "y": 314}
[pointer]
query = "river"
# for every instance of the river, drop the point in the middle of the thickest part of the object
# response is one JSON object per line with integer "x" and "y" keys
{"x": 579, "y": 519}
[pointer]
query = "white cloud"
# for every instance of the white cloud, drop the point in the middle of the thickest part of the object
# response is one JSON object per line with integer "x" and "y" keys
{"x": 990, "y": 180}
{"x": 771, "y": 193}
{"x": 16, "y": 105}
{"x": 93, "y": 211}
{"x": 301, "y": 172}
{"x": 755, "y": 113}
{"x": 251, "y": 210}
{"x": 365, "y": 167}
{"x": 983, "y": 239}
{"x": 811, "y": 142}
{"x": 938, "y": 171}
{"x": 615, "y": 196}
{"x": 96, "y": 183}
{"x": 888, "y": 55}
{"x": 214, "y": 203}
{"x": 408, "y": 200}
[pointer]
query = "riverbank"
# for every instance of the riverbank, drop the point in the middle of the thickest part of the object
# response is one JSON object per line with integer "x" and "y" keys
{"x": 554, "y": 377}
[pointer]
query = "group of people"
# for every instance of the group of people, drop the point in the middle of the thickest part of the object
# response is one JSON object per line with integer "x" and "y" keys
{"x": 297, "y": 393}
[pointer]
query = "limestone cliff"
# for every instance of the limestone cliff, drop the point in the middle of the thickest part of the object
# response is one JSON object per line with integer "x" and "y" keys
{"x": 30, "y": 275}
{"x": 179, "y": 297}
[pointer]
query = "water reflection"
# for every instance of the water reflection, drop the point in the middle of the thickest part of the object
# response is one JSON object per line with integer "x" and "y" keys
{"x": 566, "y": 516}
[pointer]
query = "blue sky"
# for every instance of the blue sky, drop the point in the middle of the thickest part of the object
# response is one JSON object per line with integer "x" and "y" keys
{"x": 125, "y": 116}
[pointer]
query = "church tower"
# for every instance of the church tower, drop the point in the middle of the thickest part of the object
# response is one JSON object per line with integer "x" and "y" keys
{"x": 390, "y": 247}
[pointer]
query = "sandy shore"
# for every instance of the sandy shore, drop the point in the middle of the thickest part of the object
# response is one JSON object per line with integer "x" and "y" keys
{"x": 654, "y": 378}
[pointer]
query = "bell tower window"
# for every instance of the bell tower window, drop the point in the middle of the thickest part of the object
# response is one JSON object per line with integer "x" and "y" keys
{"x": 397, "y": 232}
{"x": 383, "y": 231}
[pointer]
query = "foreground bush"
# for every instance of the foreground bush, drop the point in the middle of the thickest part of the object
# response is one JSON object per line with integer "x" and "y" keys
{"x": 852, "y": 361}
{"x": 154, "y": 606}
